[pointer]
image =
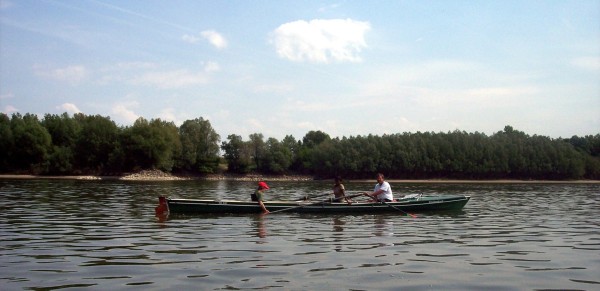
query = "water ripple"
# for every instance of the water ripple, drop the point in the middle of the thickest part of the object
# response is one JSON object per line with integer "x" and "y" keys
{"x": 102, "y": 234}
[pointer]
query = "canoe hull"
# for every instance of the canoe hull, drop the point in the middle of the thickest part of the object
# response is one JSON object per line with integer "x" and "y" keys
{"x": 420, "y": 204}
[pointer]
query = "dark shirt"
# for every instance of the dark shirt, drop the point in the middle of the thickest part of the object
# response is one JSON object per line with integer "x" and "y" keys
{"x": 257, "y": 195}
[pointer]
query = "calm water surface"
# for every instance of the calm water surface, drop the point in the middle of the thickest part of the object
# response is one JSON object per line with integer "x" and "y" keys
{"x": 104, "y": 235}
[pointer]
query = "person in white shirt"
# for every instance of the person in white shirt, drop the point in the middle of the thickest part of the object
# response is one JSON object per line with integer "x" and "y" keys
{"x": 382, "y": 191}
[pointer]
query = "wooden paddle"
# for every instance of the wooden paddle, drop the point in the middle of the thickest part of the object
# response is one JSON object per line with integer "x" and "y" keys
{"x": 315, "y": 203}
{"x": 410, "y": 214}
{"x": 383, "y": 202}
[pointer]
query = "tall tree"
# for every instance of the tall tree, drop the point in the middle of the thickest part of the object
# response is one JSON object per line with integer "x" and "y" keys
{"x": 200, "y": 146}
{"x": 97, "y": 143}
{"x": 307, "y": 150}
{"x": 257, "y": 149}
{"x": 64, "y": 131}
{"x": 32, "y": 144}
{"x": 290, "y": 143}
{"x": 278, "y": 157}
{"x": 153, "y": 144}
{"x": 314, "y": 138}
{"x": 236, "y": 153}
{"x": 6, "y": 143}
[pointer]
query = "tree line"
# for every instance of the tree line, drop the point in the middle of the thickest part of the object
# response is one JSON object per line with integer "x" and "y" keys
{"x": 93, "y": 144}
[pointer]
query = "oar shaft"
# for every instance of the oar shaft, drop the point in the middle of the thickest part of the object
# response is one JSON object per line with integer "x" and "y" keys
{"x": 320, "y": 195}
{"x": 392, "y": 206}
{"x": 315, "y": 203}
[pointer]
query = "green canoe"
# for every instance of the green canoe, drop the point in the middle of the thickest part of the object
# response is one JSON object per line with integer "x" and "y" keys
{"x": 415, "y": 203}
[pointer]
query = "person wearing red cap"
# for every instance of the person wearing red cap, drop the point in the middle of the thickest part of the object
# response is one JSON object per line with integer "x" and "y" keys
{"x": 258, "y": 195}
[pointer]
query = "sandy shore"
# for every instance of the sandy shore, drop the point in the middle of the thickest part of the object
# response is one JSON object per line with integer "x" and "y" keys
{"x": 155, "y": 175}
{"x": 161, "y": 176}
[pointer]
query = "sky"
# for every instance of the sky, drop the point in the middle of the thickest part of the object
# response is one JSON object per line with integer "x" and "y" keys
{"x": 279, "y": 68}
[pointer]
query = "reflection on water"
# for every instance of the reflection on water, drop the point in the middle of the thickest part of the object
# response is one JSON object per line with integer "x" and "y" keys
{"x": 99, "y": 234}
{"x": 338, "y": 224}
{"x": 383, "y": 227}
{"x": 260, "y": 227}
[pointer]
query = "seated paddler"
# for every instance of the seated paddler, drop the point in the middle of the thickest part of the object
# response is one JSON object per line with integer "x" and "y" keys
{"x": 382, "y": 191}
{"x": 339, "y": 192}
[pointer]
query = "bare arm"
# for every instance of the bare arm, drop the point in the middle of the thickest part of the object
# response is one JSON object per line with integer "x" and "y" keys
{"x": 374, "y": 194}
{"x": 262, "y": 206}
{"x": 346, "y": 197}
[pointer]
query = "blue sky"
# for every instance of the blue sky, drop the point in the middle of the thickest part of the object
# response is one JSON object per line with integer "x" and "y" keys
{"x": 287, "y": 67}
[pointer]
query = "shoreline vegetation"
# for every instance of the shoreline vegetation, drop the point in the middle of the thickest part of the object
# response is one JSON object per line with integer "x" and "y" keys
{"x": 64, "y": 145}
{"x": 157, "y": 175}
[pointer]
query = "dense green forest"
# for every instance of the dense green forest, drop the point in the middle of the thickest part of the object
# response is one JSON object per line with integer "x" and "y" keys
{"x": 86, "y": 144}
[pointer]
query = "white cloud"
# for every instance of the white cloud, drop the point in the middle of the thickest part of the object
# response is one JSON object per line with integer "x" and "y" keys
{"x": 8, "y": 109}
{"x": 190, "y": 38}
{"x": 329, "y": 7}
{"x": 171, "y": 79}
{"x": 151, "y": 74}
{"x": 493, "y": 92}
{"x": 169, "y": 114}
{"x": 311, "y": 106}
{"x": 484, "y": 98}
{"x": 587, "y": 63}
{"x": 7, "y": 96}
{"x": 409, "y": 81}
{"x": 255, "y": 124}
{"x": 223, "y": 114}
{"x": 273, "y": 88}
{"x": 215, "y": 38}
{"x": 211, "y": 67}
{"x": 122, "y": 112}
{"x": 121, "y": 72}
{"x": 306, "y": 125}
{"x": 69, "y": 108}
{"x": 321, "y": 41}
{"x": 72, "y": 74}
{"x": 132, "y": 66}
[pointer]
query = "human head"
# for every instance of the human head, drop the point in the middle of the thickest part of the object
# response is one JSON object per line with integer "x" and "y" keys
{"x": 263, "y": 185}
{"x": 338, "y": 180}
{"x": 380, "y": 178}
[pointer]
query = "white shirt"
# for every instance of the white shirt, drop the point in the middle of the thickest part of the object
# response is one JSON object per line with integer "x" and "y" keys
{"x": 387, "y": 191}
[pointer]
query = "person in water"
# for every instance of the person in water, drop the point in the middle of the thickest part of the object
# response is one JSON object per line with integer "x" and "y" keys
{"x": 382, "y": 191}
{"x": 339, "y": 191}
{"x": 258, "y": 196}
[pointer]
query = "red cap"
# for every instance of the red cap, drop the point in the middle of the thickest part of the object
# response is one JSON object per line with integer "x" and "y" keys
{"x": 263, "y": 185}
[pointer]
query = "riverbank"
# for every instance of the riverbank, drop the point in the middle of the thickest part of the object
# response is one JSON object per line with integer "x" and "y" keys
{"x": 155, "y": 175}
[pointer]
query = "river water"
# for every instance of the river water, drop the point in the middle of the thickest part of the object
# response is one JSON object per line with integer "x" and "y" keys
{"x": 102, "y": 235}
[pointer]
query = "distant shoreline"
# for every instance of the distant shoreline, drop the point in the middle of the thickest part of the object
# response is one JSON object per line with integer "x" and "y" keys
{"x": 161, "y": 176}
{"x": 153, "y": 176}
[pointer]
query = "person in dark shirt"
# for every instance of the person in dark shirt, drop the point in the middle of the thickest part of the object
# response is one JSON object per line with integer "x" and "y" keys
{"x": 258, "y": 196}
